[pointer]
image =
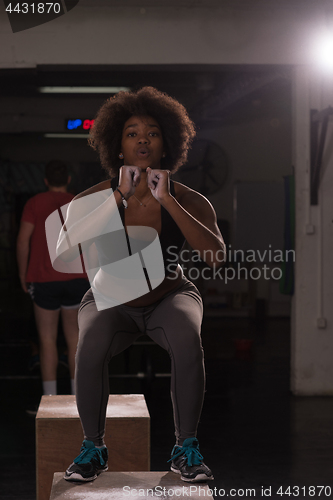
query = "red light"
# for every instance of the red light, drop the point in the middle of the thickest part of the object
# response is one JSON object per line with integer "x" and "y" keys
{"x": 87, "y": 124}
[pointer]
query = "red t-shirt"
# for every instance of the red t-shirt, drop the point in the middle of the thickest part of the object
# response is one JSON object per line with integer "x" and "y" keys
{"x": 36, "y": 210}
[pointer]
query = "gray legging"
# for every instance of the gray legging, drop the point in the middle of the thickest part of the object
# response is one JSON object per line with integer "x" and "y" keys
{"x": 174, "y": 323}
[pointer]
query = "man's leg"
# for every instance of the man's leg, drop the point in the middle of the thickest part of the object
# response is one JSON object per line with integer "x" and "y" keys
{"x": 47, "y": 327}
{"x": 71, "y": 333}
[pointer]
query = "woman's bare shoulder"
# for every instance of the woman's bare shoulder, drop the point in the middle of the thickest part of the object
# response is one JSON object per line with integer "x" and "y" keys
{"x": 192, "y": 200}
{"x": 94, "y": 189}
{"x": 182, "y": 191}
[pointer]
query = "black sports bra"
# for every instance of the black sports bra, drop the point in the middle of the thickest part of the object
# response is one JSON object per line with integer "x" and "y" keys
{"x": 171, "y": 239}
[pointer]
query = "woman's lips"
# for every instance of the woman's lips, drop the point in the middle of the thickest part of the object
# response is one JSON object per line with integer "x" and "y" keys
{"x": 142, "y": 153}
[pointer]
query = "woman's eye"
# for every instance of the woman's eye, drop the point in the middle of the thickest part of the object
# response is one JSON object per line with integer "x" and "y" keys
{"x": 152, "y": 134}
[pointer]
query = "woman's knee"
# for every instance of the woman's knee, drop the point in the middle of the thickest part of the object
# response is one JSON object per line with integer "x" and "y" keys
{"x": 91, "y": 348}
{"x": 192, "y": 357}
{"x": 188, "y": 347}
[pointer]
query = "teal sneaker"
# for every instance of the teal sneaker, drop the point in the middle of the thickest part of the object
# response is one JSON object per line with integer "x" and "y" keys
{"x": 188, "y": 461}
{"x": 89, "y": 464}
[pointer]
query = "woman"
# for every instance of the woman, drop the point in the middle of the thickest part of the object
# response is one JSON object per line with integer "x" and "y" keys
{"x": 141, "y": 138}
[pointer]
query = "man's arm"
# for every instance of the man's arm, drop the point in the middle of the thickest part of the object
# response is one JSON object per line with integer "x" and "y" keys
{"x": 22, "y": 250}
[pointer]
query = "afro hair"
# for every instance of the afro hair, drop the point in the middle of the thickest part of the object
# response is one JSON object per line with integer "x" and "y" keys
{"x": 178, "y": 129}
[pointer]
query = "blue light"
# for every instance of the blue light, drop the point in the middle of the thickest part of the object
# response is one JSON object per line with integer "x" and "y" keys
{"x": 71, "y": 124}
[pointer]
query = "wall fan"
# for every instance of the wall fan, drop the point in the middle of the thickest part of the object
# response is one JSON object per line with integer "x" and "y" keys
{"x": 206, "y": 169}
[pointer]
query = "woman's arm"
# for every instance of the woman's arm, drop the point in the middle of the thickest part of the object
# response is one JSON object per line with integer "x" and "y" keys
{"x": 194, "y": 216}
{"x": 196, "y": 219}
{"x": 93, "y": 213}
{"x": 89, "y": 215}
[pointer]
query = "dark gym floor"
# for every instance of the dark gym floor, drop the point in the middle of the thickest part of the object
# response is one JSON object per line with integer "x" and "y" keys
{"x": 253, "y": 432}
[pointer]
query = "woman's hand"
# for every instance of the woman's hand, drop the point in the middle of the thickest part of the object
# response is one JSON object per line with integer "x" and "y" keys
{"x": 159, "y": 183}
{"x": 129, "y": 179}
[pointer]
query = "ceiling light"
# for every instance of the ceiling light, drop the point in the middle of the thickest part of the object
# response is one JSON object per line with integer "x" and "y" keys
{"x": 66, "y": 136}
{"x": 82, "y": 90}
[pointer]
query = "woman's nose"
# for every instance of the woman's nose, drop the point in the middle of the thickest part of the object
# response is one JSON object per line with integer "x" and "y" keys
{"x": 143, "y": 139}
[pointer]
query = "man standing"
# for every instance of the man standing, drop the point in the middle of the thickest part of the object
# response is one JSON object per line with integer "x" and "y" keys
{"x": 50, "y": 290}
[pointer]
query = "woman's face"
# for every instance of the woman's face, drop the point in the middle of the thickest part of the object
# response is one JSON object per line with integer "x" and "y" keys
{"x": 142, "y": 142}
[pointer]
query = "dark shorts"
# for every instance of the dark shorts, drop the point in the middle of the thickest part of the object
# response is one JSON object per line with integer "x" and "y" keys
{"x": 53, "y": 295}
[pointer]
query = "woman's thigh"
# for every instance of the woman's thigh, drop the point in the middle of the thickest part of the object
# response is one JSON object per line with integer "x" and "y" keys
{"x": 175, "y": 323}
{"x": 103, "y": 334}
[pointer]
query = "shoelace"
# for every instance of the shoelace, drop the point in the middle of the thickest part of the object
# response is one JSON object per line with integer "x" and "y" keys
{"x": 191, "y": 451}
{"x": 87, "y": 454}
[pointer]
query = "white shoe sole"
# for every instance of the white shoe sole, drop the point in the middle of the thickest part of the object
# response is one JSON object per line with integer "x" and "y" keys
{"x": 198, "y": 478}
{"x": 78, "y": 478}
